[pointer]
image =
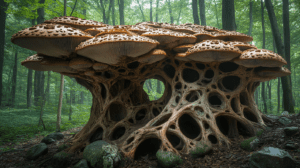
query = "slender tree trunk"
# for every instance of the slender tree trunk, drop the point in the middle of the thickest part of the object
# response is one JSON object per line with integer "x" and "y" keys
{"x": 202, "y": 12}
{"x": 286, "y": 38}
{"x": 170, "y": 12}
{"x": 3, "y": 8}
{"x": 103, "y": 11}
{"x": 60, "y": 104}
{"x": 179, "y": 12}
{"x": 158, "y": 87}
{"x": 278, "y": 95}
{"x": 141, "y": 11}
{"x": 286, "y": 86}
{"x": 113, "y": 17}
{"x": 109, "y": 9}
{"x": 251, "y": 18}
{"x": 269, "y": 85}
{"x": 47, "y": 93}
{"x": 29, "y": 78}
{"x": 228, "y": 15}
{"x": 195, "y": 12}
{"x": 121, "y": 12}
{"x": 73, "y": 8}
{"x": 216, "y": 10}
{"x": 14, "y": 80}
{"x": 156, "y": 11}
{"x": 151, "y": 19}
{"x": 264, "y": 97}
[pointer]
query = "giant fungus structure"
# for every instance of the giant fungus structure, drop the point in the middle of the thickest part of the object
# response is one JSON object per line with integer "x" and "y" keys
{"x": 209, "y": 74}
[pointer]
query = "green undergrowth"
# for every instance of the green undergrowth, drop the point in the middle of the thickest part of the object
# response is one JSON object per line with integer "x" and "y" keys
{"x": 18, "y": 125}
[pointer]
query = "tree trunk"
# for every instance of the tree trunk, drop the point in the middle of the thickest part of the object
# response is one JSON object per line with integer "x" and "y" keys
{"x": 151, "y": 19}
{"x": 286, "y": 86}
{"x": 3, "y": 8}
{"x": 228, "y": 15}
{"x": 65, "y": 7}
{"x": 81, "y": 100}
{"x": 141, "y": 11}
{"x": 202, "y": 12}
{"x": 29, "y": 88}
{"x": 216, "y": 10}
{"x": 195, "y": 11}
{"x": 156, "y": 11}
{"x": 47, "y": 92}
{"x": 73, "y": 8}
{"x": 286, "y": 38}
{"x": 14, "y": 80}
{"x": 278, "y": 95}
{"x": 158, "y": 87}
{"x": 113, "y": 17}
{"x": 60, "y": 104}
{"x": 251, "y": 18}
{"x": 269, "y": 85}
{"x": 121, "y": 12}
{"x": 170, "y": 12}
{"x": 264, "y": 97}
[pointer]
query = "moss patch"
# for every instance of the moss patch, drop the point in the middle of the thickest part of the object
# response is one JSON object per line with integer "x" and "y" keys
{"x": 168, "y": 159}
{"x": 258, "y": 133}
{"x": 246, "y": 143}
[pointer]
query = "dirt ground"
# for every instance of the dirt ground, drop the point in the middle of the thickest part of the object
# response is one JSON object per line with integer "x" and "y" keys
{"x": 220, "y": 157}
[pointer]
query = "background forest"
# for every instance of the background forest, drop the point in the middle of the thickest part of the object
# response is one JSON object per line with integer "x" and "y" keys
{"x": 29, "y": 99}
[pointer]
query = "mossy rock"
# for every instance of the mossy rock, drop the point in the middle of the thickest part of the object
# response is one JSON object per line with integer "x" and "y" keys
{"x": 37, "y": 151}
{"x": 61, "y": 159}
{"x": 246, "y": 143}
{"x": 62, "y": 147}
{"x": 168, "y": 159}
{"x": 201, "y": 149}
{"x": 259, "y": 132}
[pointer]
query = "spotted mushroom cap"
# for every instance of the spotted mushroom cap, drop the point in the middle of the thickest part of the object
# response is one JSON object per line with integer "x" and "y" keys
{"x": 242, "y": 45}
{"x": 213, "y": 50}
{"x": 80, "y": 63}
{"x": 50, "y": 39}
{"x": 43, "y": 63}
{"x": 182, "y": 48}
{"x": 260, "y": 57}
{"x": 76, "y": 22}
{"x": 170, "y": 39}
{"x": 96, "y": 30}
{"x": 223, "y": 35}
{"x": 273, "y": 72}
{"x": 109, "y": 48}
{"x": 153, "y": 56}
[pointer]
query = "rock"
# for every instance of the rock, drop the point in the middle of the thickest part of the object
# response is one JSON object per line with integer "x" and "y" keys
{"x": 82, "y": 164}
{"x": 36, "y": 151}
{"x": 48, "y": 140}
{"x": 54, "y": 136}
{"x": 285, "y": 113}
{"x": 102, "y": 154}
{"x": 284, "y": 121}
{"x": 273, "y": 117}
{"x": 167, "y": 159}
{"x": 254, "y": 144}
{"x": 271, "y": 157}
{"x": 201, "y": 149}
{"x": 61, "y": 159}
{"x": 289, "y": 131}
{"x": 62, "y": 147}
{"x": 246, "y": 143}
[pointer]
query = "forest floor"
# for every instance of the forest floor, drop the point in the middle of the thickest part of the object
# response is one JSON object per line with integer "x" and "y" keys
{"x": 220, "y": 157}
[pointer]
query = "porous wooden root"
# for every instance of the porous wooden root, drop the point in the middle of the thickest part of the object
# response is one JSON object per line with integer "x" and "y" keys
{"x": 207, "y": 103}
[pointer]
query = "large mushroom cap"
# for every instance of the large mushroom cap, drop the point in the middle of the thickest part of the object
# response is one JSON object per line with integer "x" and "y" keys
{"x": 96, "y": 30}
{"x": 50, "y": 39}
{"x": 76, "y": 22}
{"x": 182, "y": 48}
{"x": 43, "y": 63}
{"x": 153, "y": 56}
{"x": 242, "y": 45}
{"x": 273, "y": 72}
{"x": 168, "y": 38}
{"x": 260, "y": 57}
{"x": 110, "y": 47}
{"x": 213, "y": 50}
{"x": 223, "y": 35}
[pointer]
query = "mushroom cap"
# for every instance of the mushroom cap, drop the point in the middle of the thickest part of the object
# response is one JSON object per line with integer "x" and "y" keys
{"x": 96, "y": 30}
{"x": 242, "y": 45}
{"x": 76, "y": 22}
{"x": 181, "y": 57}
{"x": 213, "y": 50}
{"x": 260, "y": 57}
{"x": 169, "y": 39}
{"x": 184, "y": 29}
{"x": 223, "y": 35}
{"x": 109, "y": 48}
{"x": 43, "y": 63}
{"x": 182, "y": 48}
{"x": 153, "y": 56}
{"x": 99, "y": 66}
{"x": 140, "y": 29}
{"x": 80, "y": 63}
{"x": 273, "y": 72}
{"x": 50, "y": 39}
{"x": 116, "y": 30}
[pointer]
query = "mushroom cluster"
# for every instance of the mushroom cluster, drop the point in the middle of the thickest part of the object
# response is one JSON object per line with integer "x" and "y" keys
{"x": 209, "y": 74}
